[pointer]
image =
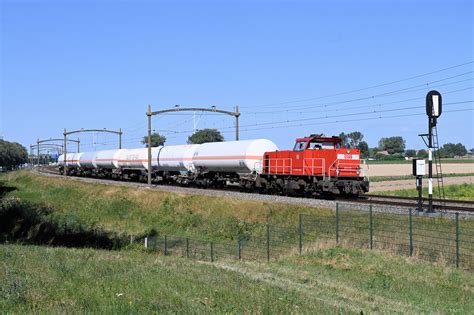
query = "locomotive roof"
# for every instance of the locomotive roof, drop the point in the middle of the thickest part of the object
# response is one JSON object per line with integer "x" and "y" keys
{"x": 321, "y": 137}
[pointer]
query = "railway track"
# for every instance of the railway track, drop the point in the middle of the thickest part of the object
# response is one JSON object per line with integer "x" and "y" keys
{"x": 412, "y": 202}
{"x": 465, "y": 206}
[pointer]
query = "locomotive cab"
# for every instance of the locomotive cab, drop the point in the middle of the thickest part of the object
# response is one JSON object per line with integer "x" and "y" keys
{"x": 317, "y": 142}
{"x": 317, "y": 163}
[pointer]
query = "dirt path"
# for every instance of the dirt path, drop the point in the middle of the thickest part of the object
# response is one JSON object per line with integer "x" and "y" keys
{"x": 410, "y": 183}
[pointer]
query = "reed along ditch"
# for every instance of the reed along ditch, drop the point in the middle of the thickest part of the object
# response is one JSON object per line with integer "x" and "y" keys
{"x": 23, "y": 222}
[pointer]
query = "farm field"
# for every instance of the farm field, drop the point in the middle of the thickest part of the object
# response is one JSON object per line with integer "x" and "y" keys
{"x": 376, "y": 179}
{"x": 398, "y": 186}
{"x": 462, "y": 192}
{"x": 405, "y": 169}
{"x": 448, "y": 161}
{"x": 332, "y": 280}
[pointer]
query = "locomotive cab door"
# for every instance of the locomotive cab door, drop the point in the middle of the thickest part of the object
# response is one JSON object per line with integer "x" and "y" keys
{"x": 298, "y": 156}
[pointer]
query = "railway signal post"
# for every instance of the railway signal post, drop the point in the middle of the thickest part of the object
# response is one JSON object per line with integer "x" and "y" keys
{"x": 433, "y": 110}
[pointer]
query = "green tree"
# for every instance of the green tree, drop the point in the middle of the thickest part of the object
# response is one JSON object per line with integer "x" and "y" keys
{"x": 373, "y": 152}
{"x": 12, "y": 155}
{"x": 392, "y": 145}
{"x": 422, "y": 154}
{"x": 410, "y": 153}
{"x": 355, "y": 138}
{"x": 156, "y": 140}
{"x": 205, "y": 135}
{"x": 351, "y": 139}
{"x": 344, "y": 140}
{"x": 450, "y": 150}
{"x": 364, "y": 149}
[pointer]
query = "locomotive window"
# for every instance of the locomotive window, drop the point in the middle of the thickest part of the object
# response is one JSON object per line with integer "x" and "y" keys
{"x": 299, "y": 146}
{"x": 314, "y": 146}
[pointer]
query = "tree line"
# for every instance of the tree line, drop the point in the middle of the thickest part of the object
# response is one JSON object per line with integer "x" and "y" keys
{"x": 392, "y": 148}
{"x": 12, "y": 155}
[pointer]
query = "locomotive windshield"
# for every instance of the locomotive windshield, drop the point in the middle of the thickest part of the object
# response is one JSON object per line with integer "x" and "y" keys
{"x": 299, "y": 146}
{"x": 315, "y": 144}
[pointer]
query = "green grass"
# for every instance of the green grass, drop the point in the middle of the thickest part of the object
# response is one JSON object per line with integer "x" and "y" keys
{"x": 135, "y": 211}
{"x": 404, "y": 177}
{"x": 447, "y": 160}
{"x": 462, "y": 192}
{"x": 333, "y": 280}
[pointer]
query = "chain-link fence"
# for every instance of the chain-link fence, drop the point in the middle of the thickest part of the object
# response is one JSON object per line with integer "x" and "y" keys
{"x": 447, "y": 238}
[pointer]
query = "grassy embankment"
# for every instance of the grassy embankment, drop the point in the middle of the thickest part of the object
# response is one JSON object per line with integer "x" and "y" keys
{"x": 138, "y": 210}
{"x": 329, "y": 280}
{"x": 337, "y": 280}
{"x": 462, "y": 192}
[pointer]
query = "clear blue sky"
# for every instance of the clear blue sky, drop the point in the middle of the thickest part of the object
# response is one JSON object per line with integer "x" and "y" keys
{"x": 96, "y": 64}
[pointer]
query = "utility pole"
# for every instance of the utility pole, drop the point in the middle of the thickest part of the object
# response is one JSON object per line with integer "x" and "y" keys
{"x": 237, "y": 114}
{"x": 213, "y": 109}
{"x": 120, "y": 138}
{"x": 38, "y": 151}
{"x": 149, "y": 114}
{"x": 65, "y": 153}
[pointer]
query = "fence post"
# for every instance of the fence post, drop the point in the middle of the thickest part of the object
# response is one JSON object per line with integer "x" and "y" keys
{"x": 146, "y": 242}
{"x": 337, "y": 222}
{"x": 131, "y": 239}
{"x": 166, "y": 246}
{"x": 239, "y": 248}
{"x": 410, "y": 229}
{"x": 301, "y": 233}
{"x": 457, "y": 240}
{"x": 212, "y": 252}
{"x": 187, "y": 247}
{"x": 371, "y": 233}
{"x": 268, "y": 242}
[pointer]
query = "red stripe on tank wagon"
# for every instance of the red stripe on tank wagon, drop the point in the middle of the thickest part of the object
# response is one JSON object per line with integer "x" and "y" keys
{"x": 196, "y": 158}
{"x": 222, "y": 157}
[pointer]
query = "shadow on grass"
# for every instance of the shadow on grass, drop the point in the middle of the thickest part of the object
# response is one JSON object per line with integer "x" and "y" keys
{"x": 5, "y": 189}
{"x": 27, "y": 223}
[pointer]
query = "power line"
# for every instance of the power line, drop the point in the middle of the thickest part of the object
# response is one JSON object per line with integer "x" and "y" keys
{"x": 353, "y": 120}
{"x": 348, "y": 114}
{"x": 366, "y": 88}
{"x": 309, "y": 106}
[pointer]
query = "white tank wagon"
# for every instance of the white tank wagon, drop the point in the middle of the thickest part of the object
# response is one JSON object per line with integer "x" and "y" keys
{"x": 232, "y": 156}
{"x": 137, "y": 159}
{"x": 209, "y": 164}
{"x": 177, "y": 158}
{"x": 107, "y": 159}
{"x": 72, "y": 160}
{"x": 87, "y": 160}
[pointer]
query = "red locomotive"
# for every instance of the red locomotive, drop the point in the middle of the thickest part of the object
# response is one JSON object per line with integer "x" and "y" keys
{"x": 316, "y": 166}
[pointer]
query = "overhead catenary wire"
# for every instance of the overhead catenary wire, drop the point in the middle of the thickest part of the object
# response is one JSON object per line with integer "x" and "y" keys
{"x": 325, "y": 105}
{"x": 366, "y": 88}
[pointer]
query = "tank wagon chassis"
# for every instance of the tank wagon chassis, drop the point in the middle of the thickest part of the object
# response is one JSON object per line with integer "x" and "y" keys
{"x": 316, "y": 167}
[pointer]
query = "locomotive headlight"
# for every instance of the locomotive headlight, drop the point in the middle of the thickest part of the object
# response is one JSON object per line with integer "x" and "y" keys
{"x": 358, "y": 172}
{"x": 348, "y": 151}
